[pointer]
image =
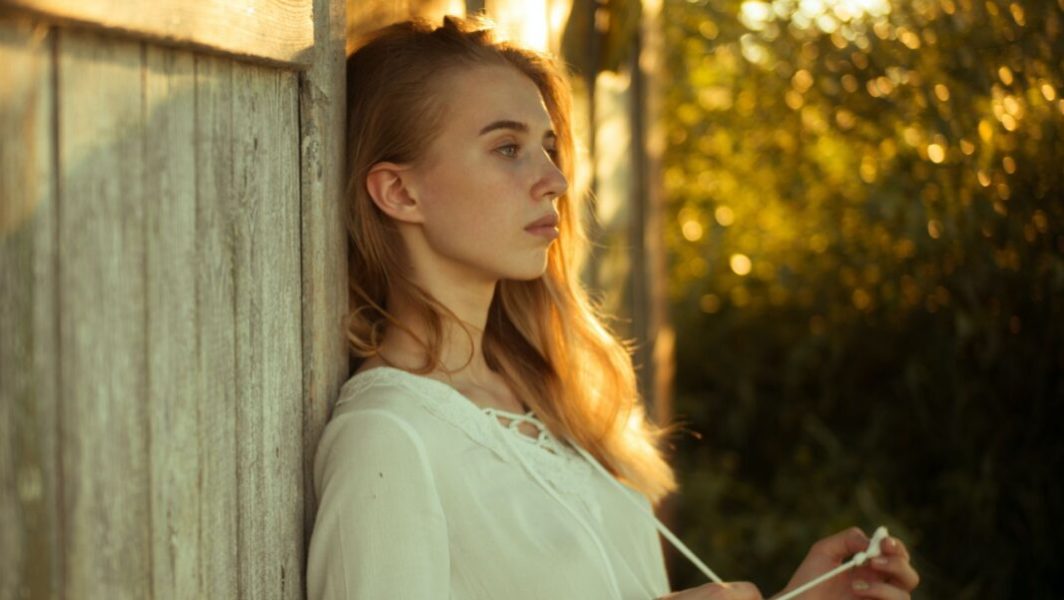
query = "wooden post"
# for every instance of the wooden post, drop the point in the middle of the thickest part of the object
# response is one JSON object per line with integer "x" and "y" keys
{"x": 322, "y": 101}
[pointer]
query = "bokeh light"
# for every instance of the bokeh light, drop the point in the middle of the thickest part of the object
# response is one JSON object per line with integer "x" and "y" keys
{"x": 866, "y": 258}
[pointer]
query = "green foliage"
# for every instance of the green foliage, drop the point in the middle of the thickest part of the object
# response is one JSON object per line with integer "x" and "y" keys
{"x": 867, "y": 274}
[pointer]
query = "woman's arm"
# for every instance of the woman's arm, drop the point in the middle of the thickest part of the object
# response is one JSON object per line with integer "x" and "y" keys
{"x": 380, "y": 531}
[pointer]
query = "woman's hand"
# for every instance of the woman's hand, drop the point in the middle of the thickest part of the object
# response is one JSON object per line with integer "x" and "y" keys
{"x": 733, "y": 590}
{"x": 887, "y": 577}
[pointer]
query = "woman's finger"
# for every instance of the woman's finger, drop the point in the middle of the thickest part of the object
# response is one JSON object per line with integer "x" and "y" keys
{"x": 896, "y": 569}
{"x": 893, "y": 545}
{"x": 878, "y": 590}
{"x": 736, "y": 590}
{"x": 732, "y": 590}
{"x": 841, "y": 544}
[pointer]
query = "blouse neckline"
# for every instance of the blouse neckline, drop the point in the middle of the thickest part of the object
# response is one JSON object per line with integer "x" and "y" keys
{"x": 529, "y": 415}
{"x": 458, "y": 410}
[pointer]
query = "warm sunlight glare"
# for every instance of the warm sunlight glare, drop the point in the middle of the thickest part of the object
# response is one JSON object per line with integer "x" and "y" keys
{"x": 527, "y": 23}
{"x": 825, "y": 14}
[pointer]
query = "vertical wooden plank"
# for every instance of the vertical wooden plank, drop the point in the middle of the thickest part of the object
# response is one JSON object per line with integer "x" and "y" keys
{"x": 215, "y": 383}
{"x": 283, "y": 354}
{"x": 170, "y": 207}
{"x": 251, "y": 161}
{"x": 269, "y": 382}
{"x": 29, "y": 370}
{"x": 324, "y": 249}
{"x": 103, "y": 390}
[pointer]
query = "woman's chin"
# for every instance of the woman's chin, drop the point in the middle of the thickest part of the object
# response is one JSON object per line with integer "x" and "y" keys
{"x": 531, "y": 266}
{"x": 529, "y": 273}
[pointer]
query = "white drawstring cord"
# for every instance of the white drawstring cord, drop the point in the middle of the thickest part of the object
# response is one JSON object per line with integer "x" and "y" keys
{"x": 858, "y": 559}
{"x": 602, "y": 551}
{"x": 660, "y": 526}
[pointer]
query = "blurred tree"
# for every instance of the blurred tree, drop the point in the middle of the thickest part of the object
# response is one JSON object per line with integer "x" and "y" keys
{"x": 867, "y": 266}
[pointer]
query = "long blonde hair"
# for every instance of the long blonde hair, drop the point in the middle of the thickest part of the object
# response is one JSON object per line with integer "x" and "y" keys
{"x": 544, "y": 337}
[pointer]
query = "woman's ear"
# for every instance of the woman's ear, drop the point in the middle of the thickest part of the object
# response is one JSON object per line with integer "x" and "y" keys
{"x": 392, "y": 194}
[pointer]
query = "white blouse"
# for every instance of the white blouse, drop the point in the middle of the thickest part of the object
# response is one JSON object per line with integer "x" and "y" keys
{"x": 423, "y": 494}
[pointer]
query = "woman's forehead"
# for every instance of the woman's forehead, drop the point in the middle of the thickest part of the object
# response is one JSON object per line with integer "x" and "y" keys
{"x": 486, "y": 96}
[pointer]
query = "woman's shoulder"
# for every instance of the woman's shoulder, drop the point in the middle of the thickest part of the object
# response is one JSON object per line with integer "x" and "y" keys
{"x": 384, "y": 389}
{"x": 379, "y": 408}
{"x": 378, "y": 422}
{"x": 431, "y": 408}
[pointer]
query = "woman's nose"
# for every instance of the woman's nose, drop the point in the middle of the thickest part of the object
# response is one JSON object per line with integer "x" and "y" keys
{"x": 554, "y": 182}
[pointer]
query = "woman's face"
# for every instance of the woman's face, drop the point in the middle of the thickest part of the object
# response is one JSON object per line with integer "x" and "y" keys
{"x": 487, "y": 176}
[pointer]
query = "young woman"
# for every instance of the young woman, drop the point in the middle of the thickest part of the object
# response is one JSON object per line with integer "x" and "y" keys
{"x": 491, "y": 444}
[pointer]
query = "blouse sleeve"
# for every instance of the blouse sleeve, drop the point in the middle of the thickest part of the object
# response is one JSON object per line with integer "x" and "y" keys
{"x": 380, "y": 531}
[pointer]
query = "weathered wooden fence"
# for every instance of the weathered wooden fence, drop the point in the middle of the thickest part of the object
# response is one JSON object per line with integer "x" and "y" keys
{"x": 172, "y": 279}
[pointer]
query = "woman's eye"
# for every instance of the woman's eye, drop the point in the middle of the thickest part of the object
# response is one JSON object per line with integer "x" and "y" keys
{"x": 510, "y": 150}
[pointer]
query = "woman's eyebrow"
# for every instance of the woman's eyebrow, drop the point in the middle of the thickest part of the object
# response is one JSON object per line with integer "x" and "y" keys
{"x": 515, "y": 125}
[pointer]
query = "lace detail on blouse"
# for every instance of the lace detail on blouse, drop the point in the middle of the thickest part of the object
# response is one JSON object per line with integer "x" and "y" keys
{"x": 557, "y": 463}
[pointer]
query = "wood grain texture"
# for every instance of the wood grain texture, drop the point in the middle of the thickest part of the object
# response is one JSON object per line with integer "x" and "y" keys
{"x": 284, "y": 337}
{"x": 250, "y": 199}
{"x": 277, "y": 31}
{"x": 30, "y": 537}
{"x": 104, "y": 400}
{"x": 216, "y": 380}
{"x": 268, "y": 332}
{"x": 152, "y": 325}
{"x": 324, "y": 248}
{"x": 169, "y": 200}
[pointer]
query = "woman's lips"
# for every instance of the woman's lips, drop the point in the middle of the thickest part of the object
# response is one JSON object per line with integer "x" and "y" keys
{"x": 547, "y": 231}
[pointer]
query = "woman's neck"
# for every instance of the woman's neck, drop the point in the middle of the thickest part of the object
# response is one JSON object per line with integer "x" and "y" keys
{"x": 461, "y": 356}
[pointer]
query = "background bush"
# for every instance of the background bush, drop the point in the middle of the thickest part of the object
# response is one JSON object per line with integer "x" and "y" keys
{"x": 866, "y": 277}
